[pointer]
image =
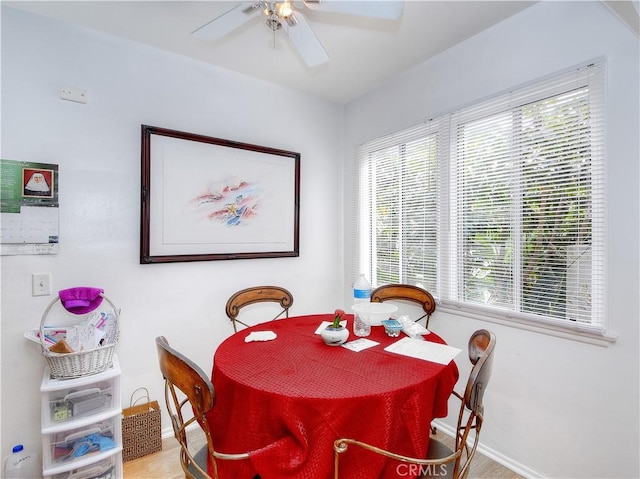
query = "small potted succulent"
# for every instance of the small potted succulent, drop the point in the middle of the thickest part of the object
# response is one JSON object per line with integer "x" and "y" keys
{"x": 335, "y": 334}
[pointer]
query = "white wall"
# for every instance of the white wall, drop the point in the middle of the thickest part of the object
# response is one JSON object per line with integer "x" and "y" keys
{"x": 555, "y": 407}
{"x": 97, "y": 148}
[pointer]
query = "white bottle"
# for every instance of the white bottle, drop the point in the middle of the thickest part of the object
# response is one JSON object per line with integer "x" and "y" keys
{"x": 361, "y": 290}
{"x": 22, "y": 464}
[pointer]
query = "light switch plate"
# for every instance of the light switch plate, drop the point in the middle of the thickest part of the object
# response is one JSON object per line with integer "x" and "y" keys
{"x": 41, "y": 284}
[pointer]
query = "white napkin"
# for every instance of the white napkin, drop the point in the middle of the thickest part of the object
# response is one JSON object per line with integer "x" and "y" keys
{"x": 359, "y": 344}
{"x": 260, "y": 336}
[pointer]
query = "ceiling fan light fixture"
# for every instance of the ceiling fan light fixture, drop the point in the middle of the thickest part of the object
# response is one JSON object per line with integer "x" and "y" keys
{"x": 284, "y": 9}
{"x": 273, "y": 22}
{"x": 272, "y": 12}
{"x": 291, "y": 20}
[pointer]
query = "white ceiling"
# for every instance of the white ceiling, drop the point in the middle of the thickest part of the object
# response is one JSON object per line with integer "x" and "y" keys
{"x": 364, "y": 53}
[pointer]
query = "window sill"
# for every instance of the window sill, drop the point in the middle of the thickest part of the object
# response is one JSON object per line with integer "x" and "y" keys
{"x": 573, "y": 331}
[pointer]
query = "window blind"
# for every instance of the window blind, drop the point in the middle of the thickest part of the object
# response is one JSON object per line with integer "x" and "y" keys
{"x": 519, "y": 227}
{"x": 398, "y": 214}
{"x": 528, "y": 179}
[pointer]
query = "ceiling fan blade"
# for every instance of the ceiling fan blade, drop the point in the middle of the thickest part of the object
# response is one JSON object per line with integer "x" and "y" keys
{"x": 229, "y": 21}
{"x": 305, "y": 41}
{"x": 388, "y": 9}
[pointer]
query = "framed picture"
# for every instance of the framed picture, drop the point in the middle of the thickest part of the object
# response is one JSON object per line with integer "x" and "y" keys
{"x": 205, "y": 199}
{"x": 38, "y": 182}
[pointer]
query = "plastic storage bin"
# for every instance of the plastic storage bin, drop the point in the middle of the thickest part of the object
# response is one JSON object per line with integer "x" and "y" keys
{"x": 70, "y": 399}
{"x": 105, "y": 469}
{"x": 66, "y": 447}
{"x": 76, "y": 414}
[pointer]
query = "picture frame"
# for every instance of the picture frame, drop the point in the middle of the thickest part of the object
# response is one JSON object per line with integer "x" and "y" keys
{"x": 38, "y": 183}
{"x": 206, "y": 198}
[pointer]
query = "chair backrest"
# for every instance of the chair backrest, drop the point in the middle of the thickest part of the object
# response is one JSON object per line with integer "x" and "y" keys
{"x": 406, "y": 292}
{"x": 258, "y": 294}
{"x": 470, "y": 417}
{"x": 481, "y": 346}
{"x": 189, "y": 395}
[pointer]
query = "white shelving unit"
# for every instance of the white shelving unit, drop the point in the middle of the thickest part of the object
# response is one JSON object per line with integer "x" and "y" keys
{"x": 74, "y": 410}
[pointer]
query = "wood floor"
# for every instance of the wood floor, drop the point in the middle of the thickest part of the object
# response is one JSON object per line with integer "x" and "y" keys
{"x": 166, "y": 464}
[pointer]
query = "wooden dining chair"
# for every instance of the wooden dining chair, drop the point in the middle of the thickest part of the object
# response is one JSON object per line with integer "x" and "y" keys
{"x": 442, "y": 461}
{"x": 189, "y": 396}
{"x": 406, "y": 292}
{"x": 258, "y": 294}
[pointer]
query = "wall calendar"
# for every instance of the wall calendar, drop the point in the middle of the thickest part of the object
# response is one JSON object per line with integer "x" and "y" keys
{"x": 28, "y": 208}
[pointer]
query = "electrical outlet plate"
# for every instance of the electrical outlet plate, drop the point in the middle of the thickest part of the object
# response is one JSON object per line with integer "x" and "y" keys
{"x": 41, "y": 284}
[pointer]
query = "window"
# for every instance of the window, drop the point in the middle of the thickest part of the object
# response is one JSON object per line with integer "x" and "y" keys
{"x": 496, "y": 207}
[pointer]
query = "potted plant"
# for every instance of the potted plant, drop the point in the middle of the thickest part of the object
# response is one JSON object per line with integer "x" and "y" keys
{"x": 335, "y": 334}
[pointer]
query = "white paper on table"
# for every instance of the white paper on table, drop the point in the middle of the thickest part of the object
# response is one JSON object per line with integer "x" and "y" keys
{"x": 324, "y": 324}
{"x": 359, "y": 344}
{"x": 425, "y": 350}
{"x": 260, "y": 336}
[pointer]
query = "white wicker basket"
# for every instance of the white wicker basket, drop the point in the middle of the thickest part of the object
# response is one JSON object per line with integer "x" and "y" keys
{"x": 80, "y": 363}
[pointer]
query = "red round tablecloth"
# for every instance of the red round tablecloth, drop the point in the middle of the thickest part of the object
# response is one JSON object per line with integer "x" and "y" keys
{"x": 287, "y": 400}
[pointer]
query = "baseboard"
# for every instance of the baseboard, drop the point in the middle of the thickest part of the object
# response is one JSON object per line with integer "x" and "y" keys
{"x": 494, "y": 455}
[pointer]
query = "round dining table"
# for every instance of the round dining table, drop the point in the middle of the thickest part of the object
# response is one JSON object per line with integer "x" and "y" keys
{"x": 286, "y": 400}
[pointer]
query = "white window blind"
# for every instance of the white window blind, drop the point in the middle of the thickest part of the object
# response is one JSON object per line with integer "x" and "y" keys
{"x": 519, "y": 227}
{"x": 398, "y": 203}
{"x": 528, "y": 176}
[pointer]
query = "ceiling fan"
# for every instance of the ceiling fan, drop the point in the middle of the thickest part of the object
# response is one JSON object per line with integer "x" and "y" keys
{"x": 287, "y": 15}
